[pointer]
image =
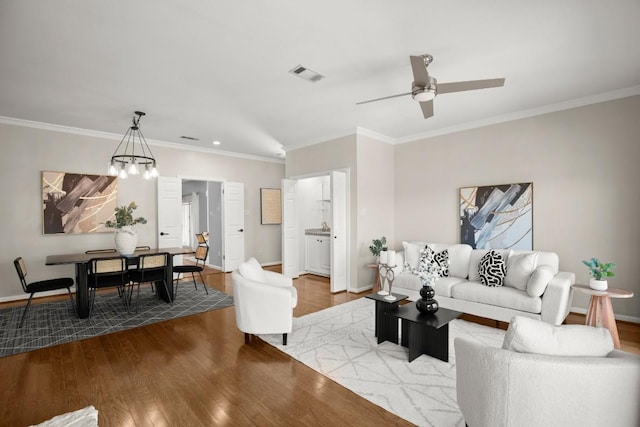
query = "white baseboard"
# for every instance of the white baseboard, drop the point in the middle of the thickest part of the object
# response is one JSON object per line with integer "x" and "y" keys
{"x": 38, "y": 295}
{"x": 624, "y": 318}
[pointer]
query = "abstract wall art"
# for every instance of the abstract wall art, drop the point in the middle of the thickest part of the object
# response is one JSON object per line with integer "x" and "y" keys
{"x": 497, "y": 216}
{"x": 75, "y": 203}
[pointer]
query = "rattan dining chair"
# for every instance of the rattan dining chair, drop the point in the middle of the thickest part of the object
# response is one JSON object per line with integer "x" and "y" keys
{"x": 108, "y": 272}
{"x": 151, "y": 268}
{"x": 40, "y": 286}
{"x": 198, "y": 267}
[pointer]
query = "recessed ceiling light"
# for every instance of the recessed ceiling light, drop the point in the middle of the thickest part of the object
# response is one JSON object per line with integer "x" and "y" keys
{"x": 216, "y": 142}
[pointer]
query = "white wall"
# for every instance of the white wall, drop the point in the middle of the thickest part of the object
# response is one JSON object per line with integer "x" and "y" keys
{"x": 28, "y": 151}
{"x": 585, "y": 167}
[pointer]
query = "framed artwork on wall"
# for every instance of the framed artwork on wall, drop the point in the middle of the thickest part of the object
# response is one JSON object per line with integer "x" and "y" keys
{"x": 497, "y": 216}
{"x": 270, "y": 208}
{"x": 74, "y": 203}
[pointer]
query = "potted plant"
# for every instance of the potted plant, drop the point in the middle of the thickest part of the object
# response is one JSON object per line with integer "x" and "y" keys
{"x": 126, "y": 237}
{"x": 599, "y": 272}
{"x": 378, "y": 246}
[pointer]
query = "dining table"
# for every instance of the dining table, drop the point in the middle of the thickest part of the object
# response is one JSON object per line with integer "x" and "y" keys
{"x": 81, "y": 261}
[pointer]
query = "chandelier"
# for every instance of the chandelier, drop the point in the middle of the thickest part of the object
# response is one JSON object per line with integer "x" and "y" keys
{"x": 129, "y": 160}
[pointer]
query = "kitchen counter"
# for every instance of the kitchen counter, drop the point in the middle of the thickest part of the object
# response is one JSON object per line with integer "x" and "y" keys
{"x": 316, "y": 232}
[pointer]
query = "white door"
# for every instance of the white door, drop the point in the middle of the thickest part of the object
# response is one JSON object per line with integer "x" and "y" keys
{"x": 290, "y": 250}
{"x": 233, "y": 243}
{"x": 169, "y": 212}
{"x": 339, "y": 238}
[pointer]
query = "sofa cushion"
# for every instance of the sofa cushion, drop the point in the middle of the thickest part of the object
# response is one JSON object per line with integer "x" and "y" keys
{"x": 412, "y": 255}
{"x": 539, "y": 280}
{"x": 474, "y": 261}
{"x": 252, "y": 270}
{"x": 444, "y": 285}
{"x": 533, "y": 336}
{"x": 492, "y": 269}
{"x": 458, "y": 257}
{"x": 499, "y": 296}
{"x": 519, "y": 269}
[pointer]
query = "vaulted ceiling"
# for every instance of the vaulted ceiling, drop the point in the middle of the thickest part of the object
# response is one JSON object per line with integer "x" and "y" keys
{"x": 219, "y": 70}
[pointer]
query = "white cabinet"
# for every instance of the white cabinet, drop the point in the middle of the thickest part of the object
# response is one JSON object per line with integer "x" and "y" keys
{"x": 317, "y": 257}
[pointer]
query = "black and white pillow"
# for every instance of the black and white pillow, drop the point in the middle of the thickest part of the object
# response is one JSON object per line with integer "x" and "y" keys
{"x": 442, "y": 258}
{"x": 492, "y": 269}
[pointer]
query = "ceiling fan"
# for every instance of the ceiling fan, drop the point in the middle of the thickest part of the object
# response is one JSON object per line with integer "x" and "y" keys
{"x": 425, "y": 87}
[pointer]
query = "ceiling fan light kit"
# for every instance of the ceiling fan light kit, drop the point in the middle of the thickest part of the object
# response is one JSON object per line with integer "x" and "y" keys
{"x": 425, "y": 88}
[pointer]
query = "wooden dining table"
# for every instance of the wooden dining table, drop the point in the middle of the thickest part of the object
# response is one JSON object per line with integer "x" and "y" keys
{"x": 81, "y": 262}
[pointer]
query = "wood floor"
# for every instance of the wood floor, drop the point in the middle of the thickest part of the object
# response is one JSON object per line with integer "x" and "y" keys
{"x": 193, "y": 371}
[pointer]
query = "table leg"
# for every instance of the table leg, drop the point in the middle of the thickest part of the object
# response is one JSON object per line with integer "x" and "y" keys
{"x": 82, "y": 290}
{"x": 600, "y": 314}
{"x": 386, "y": 326}
{"x": 430, "y": 341}
{"x": 162, "y": 293}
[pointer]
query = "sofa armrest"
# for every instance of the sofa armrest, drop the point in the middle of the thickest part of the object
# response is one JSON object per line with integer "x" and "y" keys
{"x": 277, "y": 279}
{"x": 556, "y": 300}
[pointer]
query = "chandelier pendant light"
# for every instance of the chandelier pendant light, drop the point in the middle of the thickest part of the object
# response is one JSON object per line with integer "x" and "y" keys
{"x": 129, "y": 160}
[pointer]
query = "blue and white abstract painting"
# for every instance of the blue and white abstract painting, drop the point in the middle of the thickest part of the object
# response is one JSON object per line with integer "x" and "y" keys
{"x": 497, "y": 216}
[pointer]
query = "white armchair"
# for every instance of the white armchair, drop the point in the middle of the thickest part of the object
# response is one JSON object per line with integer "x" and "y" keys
{"x": 264, "y": 300}
{"x": 500, "y": 387}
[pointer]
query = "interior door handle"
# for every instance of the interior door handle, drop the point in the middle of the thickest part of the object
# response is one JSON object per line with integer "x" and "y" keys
{"x": 241, "y": 230}
{"x": 162, "y": 233}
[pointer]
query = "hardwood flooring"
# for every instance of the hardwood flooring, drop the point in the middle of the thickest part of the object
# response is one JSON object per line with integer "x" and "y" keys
{"x": 193, "y": 371}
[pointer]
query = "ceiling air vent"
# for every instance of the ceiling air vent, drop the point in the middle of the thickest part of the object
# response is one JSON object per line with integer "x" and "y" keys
{"x": 190, "y": 138}
{"x": 305, "y": 73}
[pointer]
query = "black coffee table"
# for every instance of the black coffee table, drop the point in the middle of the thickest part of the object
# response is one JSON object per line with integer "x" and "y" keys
{"x": 386, "y": 326}
{"x": 425, "y": 333}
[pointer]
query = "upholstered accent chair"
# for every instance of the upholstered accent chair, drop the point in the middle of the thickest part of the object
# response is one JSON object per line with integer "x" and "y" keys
{"x": 264, "y": 300}
{"x": 547, "y": 375}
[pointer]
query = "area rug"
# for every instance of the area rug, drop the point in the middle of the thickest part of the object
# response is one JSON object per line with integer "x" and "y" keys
{"x": 339, "y": 343}
{"x": 55, "y": 323}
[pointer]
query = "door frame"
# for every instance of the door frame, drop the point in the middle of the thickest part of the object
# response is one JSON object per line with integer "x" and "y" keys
{"x": 347, "y": 172}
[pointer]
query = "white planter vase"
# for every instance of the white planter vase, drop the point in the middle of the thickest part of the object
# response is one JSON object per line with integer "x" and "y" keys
{"x": 126, "y": 240}
{"x": 598, "y": 285}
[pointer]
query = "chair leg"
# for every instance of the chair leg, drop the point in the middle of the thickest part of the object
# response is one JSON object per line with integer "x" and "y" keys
{"x": 203, "y": 284}
{"x": 175, "y": 286}
{"x": 24, "y": 313}
{"x": 284, "y": 339}
{"x": 247, "y": 338}
{"x": 195, "y": 285}
{"x": 73, "y": 304}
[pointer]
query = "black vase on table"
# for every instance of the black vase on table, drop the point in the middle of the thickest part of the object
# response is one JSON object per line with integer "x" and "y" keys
{"x": 427, "y": 304}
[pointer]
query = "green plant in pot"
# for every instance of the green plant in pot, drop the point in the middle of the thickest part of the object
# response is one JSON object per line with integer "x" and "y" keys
{"x": 599, "y": 272}
{"x": 126, "y": 237}
{"x": 378, "y": 246}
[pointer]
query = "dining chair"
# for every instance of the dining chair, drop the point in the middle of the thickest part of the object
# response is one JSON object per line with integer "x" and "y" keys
{"x": 40, "y": 286}
{"x": 198, "y": 267}
{"x": 151, "y": 268}
{"x": 108, "y": 272}
{"x": 100, "y": 251}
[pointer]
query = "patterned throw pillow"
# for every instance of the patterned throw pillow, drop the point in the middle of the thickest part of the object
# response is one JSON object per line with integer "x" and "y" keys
{"x": 492, "y": 269}
{"x": 442, "y": 258}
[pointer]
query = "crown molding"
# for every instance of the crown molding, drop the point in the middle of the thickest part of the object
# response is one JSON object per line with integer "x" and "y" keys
{"x": 545, "y": 109}
{"x": 375, "y": 135}
{"x": 117, "y": 137}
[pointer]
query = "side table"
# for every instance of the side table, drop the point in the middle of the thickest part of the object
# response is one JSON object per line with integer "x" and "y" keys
{"x": 600, "y": 312}
{"x": 376, "y": 276}
{"x": 386, "y": 326}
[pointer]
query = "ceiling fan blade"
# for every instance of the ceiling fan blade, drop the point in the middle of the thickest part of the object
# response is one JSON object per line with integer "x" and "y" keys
{"x": 427, "y": 108}
{"x": 469, "y": 85}
{"x": 386, "y": 97}
{"x": 420, "y": 73}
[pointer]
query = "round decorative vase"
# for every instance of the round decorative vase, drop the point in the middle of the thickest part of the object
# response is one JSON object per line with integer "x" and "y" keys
{"x": 427, "y": 304}
{"x": 126, "y": 240}
{"x": 598, "y": 285}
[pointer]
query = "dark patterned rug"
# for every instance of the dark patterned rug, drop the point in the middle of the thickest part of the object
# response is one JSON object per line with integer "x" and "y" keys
{"x": 55, "y": 323}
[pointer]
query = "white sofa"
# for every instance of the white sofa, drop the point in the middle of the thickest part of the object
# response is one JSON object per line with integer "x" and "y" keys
{"x": 552, "y": 376}
{"x": 545, "y": 294}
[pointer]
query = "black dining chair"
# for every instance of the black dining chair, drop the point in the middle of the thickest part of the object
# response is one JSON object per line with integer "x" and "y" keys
{"x": 152, "y": 268}
{"x": 40, "y": 286}
{"x": 108, "y": 272}
{"x": 198, "y": 267}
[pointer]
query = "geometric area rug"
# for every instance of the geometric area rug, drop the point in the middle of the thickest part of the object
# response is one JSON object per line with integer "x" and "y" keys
{"x": 339, "y": 343}
{"x": 53, "y": 323}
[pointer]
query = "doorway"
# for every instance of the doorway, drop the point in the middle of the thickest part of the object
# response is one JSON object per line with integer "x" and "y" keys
{"x": 202, "y": 211}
